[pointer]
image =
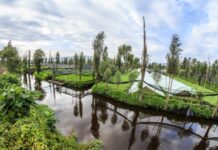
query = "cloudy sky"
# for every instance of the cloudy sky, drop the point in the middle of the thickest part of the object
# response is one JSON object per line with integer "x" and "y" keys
{"x": 69, "y": 26}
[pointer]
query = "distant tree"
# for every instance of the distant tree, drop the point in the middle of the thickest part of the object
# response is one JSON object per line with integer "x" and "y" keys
{"x": 107, "y": 75}
{"x": 122, "y": 57}
{"x": 156, "y": 73}
{"x": 57, "y": 58}
{"x": 124, "y": 51}
{"x": 66, "y": 61}
{"x": 118, "y": 62}
{"x": 38, "y": 57}
{"x": 98, "y": 47}
{"x": 117, "y": 77}
{"x": 76, "y": 61}
{"x": 70, "y": 61}
{"x": 132, "y": 76}
{"x": 136, "y": 62}
{"x": 131, "y": 60}
{"x": 173, "y": 61}
{"x": 29, "y": 59}
{"x": 81, "y": 64}
{"x": 24, "y": 63}
{"x": 10, "y": 58}
{"x": 103, "y": 67}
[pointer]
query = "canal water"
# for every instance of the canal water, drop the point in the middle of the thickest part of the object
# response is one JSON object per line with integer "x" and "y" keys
{"x": 119, "y": 126}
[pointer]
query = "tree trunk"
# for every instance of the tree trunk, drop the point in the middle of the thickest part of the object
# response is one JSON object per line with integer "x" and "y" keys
{"x": 168, "y": 92}
{"x": 144, "y": 57}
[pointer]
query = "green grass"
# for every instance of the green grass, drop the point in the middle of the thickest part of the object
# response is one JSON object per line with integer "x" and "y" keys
{"x": 210, "y": 99}
{"x": 125, "y": 76}
{"x": 43, "y": 75}
{"x": 74, "y": 78}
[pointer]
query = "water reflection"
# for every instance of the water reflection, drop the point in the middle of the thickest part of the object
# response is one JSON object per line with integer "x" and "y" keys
{"x": 94, "y": 120}
{"x": 120, "y": 126}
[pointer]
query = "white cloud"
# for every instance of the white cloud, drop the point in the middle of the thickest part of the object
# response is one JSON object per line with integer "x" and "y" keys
{"x": 202, "y": 40}
{"x": 70, "y": 25}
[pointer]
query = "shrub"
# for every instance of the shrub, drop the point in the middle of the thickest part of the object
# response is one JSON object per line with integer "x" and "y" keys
{"x": 16, "y": 102}
{"x": 8, "y": 79}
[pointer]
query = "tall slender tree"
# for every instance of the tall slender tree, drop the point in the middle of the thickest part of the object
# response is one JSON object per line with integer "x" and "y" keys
{"x": 98, "y": 47}
{"x": 173, "y": 61}
{"x": 57, "y": 58}
{"x": 10, "y": 58}
{"x": 81, "y": 64}
{"x": 29, "y": 59}
{"x": 105, "y": 53}
{"x": 144, "y": 56}
{"x": 38, "y": 59}
{"x": 76, "y": 61}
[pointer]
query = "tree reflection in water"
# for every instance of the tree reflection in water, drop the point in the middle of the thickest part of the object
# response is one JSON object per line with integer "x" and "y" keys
{"x": 185, "y": 132}
{"x": 76, "y": 109}
{"x": 204, "y": 143}
{"x": 144, "y": 134}
{"x": 30, "y": 85}
{"x": 25, "y": 80}
{"x": 38, "y": 87}
{"x": 114, "y": 116}
{"x": 94, "y": 121}
{"x": 155, "y": 140}
{"x": 101, "y": 106}
{"x": 102, "y": 109}
{"x": 132, "y": 134}
{"x": 80, "y": 104}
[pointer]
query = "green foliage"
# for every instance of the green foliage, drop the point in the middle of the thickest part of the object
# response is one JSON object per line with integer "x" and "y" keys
{"x": 117, "y": 77}
{"x": 133, "y": 75}
{"x": 16, "y": 102}
{"x": 94, "y": 145}
{"x": 43, "y": 75}
{"x": 10, "y": 58}
{"x": 81, "y": 64}
{"x": 35, "y": 132}
{"x": 26, "y": 127}
{"x": 107, "y": 74}
{"x": 38, "y": 57}
{"x": 173, "y": 55}
{"x": 8, "y": 79}
{"x": 98, "y": 47}
{"x": 103, "y": 67}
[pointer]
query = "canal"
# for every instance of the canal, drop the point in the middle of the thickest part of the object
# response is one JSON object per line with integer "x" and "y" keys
{"x": 121, "y": 126}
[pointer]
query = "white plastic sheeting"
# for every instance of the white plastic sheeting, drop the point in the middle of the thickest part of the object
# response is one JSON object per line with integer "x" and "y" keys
{"x": 177, "y": 87}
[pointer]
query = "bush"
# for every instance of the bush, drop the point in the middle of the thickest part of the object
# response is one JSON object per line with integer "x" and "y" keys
{"x": 16, "y": 102}
{"x": 8, "y": 79}
{"x": 26, "y": 125}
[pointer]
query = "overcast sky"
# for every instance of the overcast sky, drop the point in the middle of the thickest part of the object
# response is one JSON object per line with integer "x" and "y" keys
{"x": 69, "y": 26}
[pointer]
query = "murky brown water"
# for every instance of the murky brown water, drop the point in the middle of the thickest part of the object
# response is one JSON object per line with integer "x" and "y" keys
{"x": 120, "y": 126}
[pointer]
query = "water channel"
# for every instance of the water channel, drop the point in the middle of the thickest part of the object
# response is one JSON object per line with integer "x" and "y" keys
{"x": 120, "y": 126}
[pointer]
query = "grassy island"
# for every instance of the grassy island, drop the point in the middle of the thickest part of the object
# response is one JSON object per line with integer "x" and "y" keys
{"x": 176, "y": 104}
